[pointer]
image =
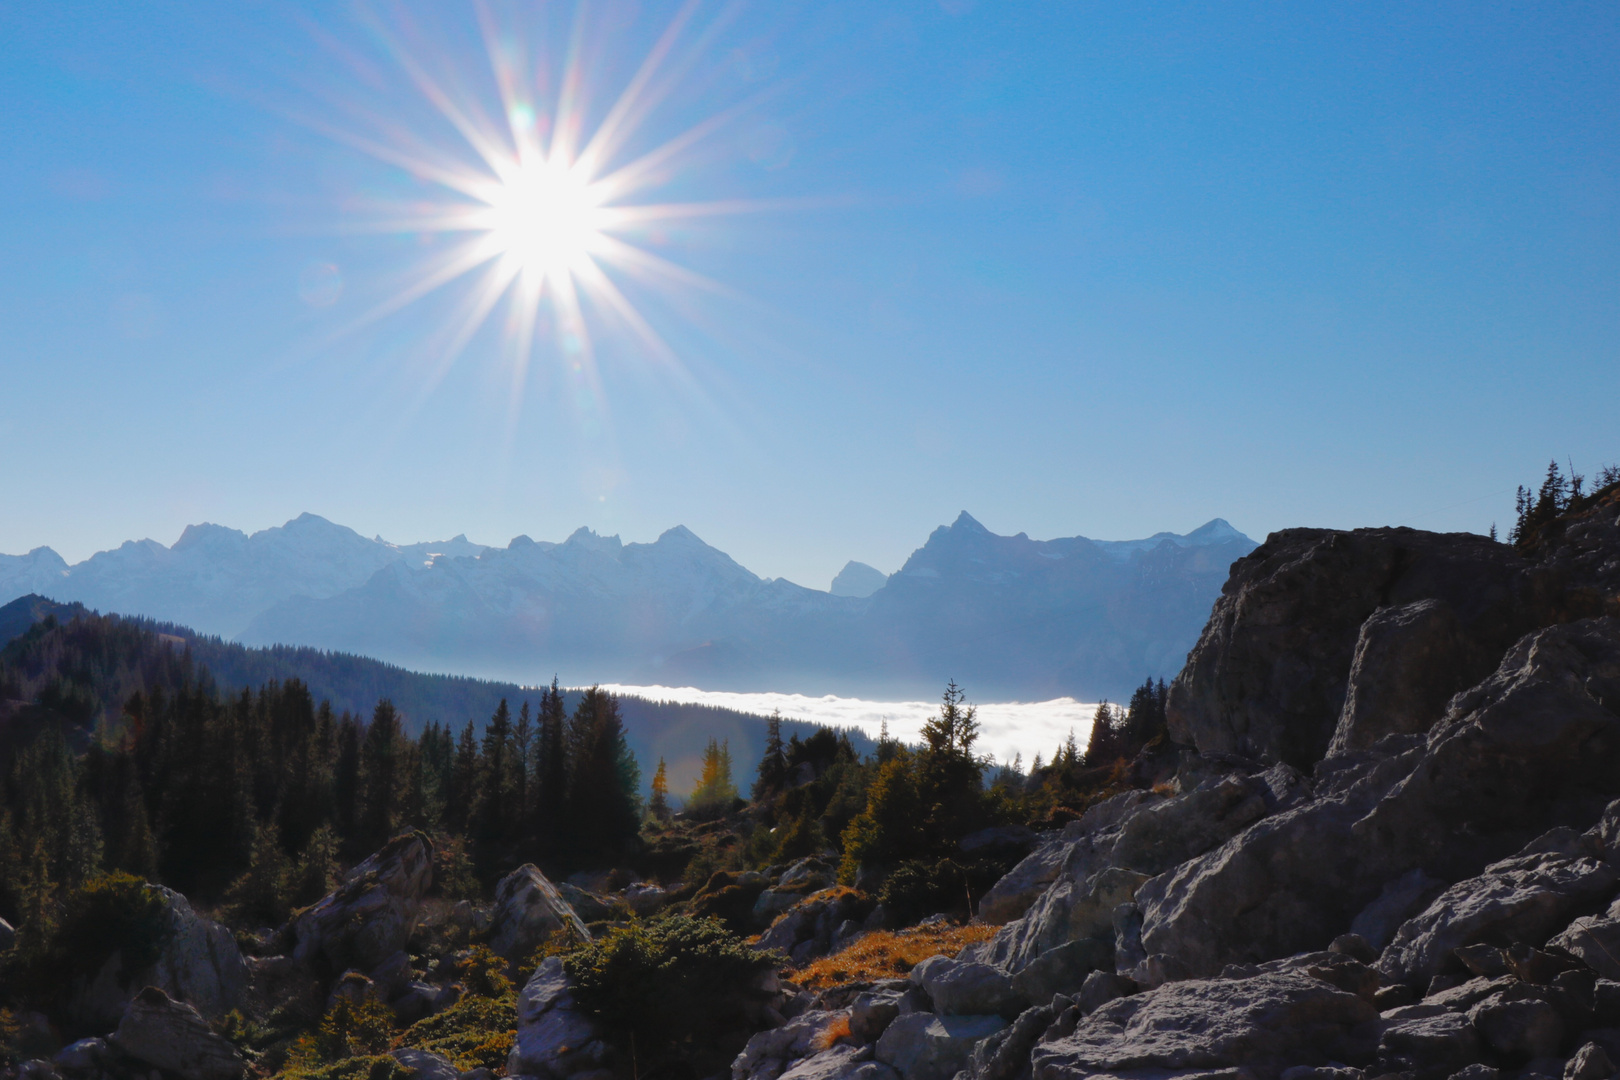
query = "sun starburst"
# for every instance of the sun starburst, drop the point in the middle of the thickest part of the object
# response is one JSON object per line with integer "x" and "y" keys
{"x": 541, "y": 206}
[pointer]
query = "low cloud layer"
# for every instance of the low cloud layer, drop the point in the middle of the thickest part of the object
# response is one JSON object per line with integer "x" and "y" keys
{"x": 1006, "y": 729}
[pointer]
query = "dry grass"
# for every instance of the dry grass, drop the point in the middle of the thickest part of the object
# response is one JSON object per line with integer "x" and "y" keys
{"x": 888, "y": 955}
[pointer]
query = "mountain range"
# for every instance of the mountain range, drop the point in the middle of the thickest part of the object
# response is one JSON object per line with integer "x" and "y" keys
{"x": 1006, "y": 616}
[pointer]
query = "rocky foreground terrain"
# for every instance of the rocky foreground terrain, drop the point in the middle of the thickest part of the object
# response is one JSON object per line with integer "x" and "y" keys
{"x": 1391, "y": 848}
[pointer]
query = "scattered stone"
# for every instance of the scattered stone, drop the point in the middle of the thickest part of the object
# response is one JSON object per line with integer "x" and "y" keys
{"x": 174, "y": 1037}
{"x": 528, "y": 910}
{"x": 1100, "y": 988}
{"x": 771, "y": 1052}
{"x": 1004, "y": 1054}
{"x": 1440, "y": 1041}
{"x": 1589, "y": 1063}
{"x": 84, "y": 1056}
{"x": 1523, "y": 898}
{"x": 426, "y": 1065}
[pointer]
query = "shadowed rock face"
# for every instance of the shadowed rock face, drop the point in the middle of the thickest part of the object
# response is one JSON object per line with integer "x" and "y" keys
{"x": 1270, "y": 677}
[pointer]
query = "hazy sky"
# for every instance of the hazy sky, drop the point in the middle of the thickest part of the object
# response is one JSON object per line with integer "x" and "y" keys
{"x": 1075, "y": 268}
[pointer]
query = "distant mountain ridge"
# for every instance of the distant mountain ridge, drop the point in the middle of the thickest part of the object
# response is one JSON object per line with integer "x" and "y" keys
{"x": 1007, "y": 616}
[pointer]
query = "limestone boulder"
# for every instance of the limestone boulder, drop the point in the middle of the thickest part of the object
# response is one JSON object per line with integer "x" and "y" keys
{"x": 923, "y": 1046}
{"x": 965, "y": 988}
{"x": 370, "y": 916}
{"x": 528, "y": 910}
{"x": 1263, "y": 1025}
{"x": 554, "y": 1039}
{"x": 172, "y": 1036}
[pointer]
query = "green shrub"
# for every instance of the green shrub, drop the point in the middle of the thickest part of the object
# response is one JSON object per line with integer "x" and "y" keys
{"x": 483, "y": 973}
{"x": 671, "y": 987}
{"x": 350, "y": 1029}
{"x": 919, "y": 888}
{"x": 474, "y": 1032}
{"x": 111, "y": 913}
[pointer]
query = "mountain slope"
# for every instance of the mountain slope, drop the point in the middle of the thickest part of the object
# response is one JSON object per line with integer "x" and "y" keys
{"x": 1008, "y": 616}
{"x": 217, "y": 579}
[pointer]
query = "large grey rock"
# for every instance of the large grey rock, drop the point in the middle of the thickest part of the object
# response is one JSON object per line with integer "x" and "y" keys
{"x": 1262, "y": 1025}
{"x": 174, "y": 1037}
{"x": 1590, "y": 1062}
{"x": 1409, "y": 659}
{"x": 1166, "y": 834}
{"x": 1525, "y": 1027}
{"x": 553, "y": 1038}
{"x": 1427, "y": 1038}
{"x": 1535, "y": 745}
{"x": 528, "y": 910}
{"x": 1525, "y": 898}
{"x": 922, "y": 1046}
{"x": 959, "y": 988}
{"x": 198, "y": 962}
{"x": 372, "y": 914}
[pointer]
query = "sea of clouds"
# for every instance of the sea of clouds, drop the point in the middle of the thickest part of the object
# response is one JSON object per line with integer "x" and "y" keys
{"x": 1006, "y": 729}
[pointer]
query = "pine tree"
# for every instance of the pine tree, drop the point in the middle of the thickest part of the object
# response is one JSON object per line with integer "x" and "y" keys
{"x": 463, "y": 780}
{"x": 382, "y": 767}
{"x": 551, "y": 772}
{"x": 261, "y": 894}
{"x": 658, "y": 806}
{"x": 522, "y": 737}
{"x": 493, "y": 797}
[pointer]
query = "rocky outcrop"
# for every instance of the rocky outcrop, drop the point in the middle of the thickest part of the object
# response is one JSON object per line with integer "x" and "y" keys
{"x": 818, "y": 924}
{"x": 1534, "y": 746}
{"x": 198, "y": 962}
{"x": 172, "y": 1036}
{"x": 1527, "y": 898}
{"x": 1264, "y": 1025}
{"x": 370, "y": 917}
{"x": 1270, "y": 677}
{"x": 528, "y": 910}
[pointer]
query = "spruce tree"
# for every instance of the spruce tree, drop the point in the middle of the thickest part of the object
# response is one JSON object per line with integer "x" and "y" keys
{"x": 773, "y": 767}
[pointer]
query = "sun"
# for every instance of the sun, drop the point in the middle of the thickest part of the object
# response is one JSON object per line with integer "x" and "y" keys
{"x": 546, "y": 219}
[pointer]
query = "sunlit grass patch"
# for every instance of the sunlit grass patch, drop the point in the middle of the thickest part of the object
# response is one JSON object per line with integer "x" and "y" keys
{"x": 888, "y": 954}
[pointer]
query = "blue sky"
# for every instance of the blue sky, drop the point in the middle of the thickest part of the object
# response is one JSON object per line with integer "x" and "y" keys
{"x": 1076, "y": 268}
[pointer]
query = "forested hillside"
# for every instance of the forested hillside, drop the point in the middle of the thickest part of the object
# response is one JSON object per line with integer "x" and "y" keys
{"x": 99, "y": 663}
